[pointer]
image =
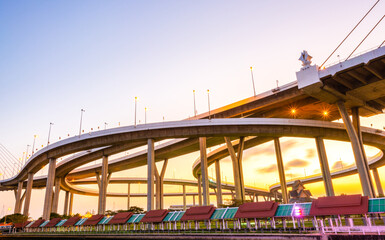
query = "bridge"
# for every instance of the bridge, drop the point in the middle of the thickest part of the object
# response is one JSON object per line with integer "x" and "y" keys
{"x": 304, "y": 108}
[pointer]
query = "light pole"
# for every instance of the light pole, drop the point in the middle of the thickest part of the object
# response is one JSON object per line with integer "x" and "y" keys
{"x": 81, "y": 119}
{"x": 26, "y": 154}
{"x": 252, "y": 79}
{"x": 33, "y": 145}
{"x": 49, "y": 132}
{"x": 136, "y": 101}
{"x": 145, "y": 115}
{"x": 105, "y": 125}
{"x": 208, "y": 99}
{"x": 195, "y": 109}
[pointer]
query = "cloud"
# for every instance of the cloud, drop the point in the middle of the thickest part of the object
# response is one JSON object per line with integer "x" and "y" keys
{"x": 310, "y": 153}
{"x": 296, "y": 163}
{"x": 269, "y": 169}
{"x": 339, "y": 165}
{"x": 289, "y": 143}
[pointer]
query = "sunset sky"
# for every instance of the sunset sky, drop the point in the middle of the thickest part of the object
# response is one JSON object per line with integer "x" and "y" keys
{"x": 58, "y": 57}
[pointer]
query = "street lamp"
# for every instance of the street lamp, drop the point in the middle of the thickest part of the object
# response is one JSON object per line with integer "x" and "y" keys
{"x": 81, "y": 119}
{"x": 195, "y": 109}
{"x": 105, "y": 125}
{"x": 33, "y": 145}
{"x": 145, "y": 115}
{"x": 252, "y": 79}
{"x": 49, "y": 132}
{"x": 208, "y": 99}
{"x": 136, "y": 101}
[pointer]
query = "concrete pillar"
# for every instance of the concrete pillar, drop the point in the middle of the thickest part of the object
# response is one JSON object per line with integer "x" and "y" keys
{"x": 239, "y": 193}
{"x": 219, "y": 183}
{"x": 204, "y": 172}
{"x": 281, "y": 170}
{"x": 71, "y": 204}
{"x": 193, "y": 200}
{"x": 159, "y": 185}
{"x": 18, "y": 197}
{"x": 49, "y": 189}
{"x": 378, "y": 182}
{"x": 357, "y": 126}
{"x": 128, "y": 195}
{"x": 184, "y": 197}
{"x": 150, "y": 174}
{"x": 103, "y": 186}
{"x": 55, "y": 202}
{"x": 357, "y": 151}
{"x": 323, "y": 160}
{"x": 66, "y": 199}
{"x": 200, "y": 190}
{"x": 28, "y": 193}
{"x": 241, "y": 146}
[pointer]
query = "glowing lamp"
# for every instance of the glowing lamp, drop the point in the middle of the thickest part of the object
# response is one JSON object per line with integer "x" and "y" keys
{"x": 298, "y": 212}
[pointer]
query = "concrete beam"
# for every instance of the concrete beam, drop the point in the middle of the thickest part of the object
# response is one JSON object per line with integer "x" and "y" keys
{"x": 49, "y": 189}
{"x": 18, "y": 197}
{"x": 66, "y": 202}
{"x": 204, "y": 171}
{"x": 55, "y": 202}
{"x": 103, "y": 186}
{"x": 150, "y": 174}
{"x": 199, "y": 190}
{"x": 219, "y": 183}
{"x": 281, "y": 170}
{"x": 184, "y": 197}
{"x": 128, "y": 195}
{"x": 378, "y": 182}
{"x": 28, "y": 194}
{"x": 323, "y": 160}
{"x": 357, "y": 151}
{"x": 236, "y": 170}
{"x": 241, "y": 146}
{"x": 357, "y": 126}
{"x": 159, "y": 185}
{"x": 71, "y": 204}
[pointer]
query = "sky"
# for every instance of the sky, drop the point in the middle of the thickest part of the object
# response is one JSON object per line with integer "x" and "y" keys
{"x": 58, "y": 57}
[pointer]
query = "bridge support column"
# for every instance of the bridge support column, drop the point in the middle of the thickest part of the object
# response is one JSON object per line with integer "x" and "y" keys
{"x": 71, "y": 204}
{"x": 219, "y": 183}
{"x": 56, "y": 195}
{"x": 150, "y": 174}
{"x": 199, "y": 190}
{"x": 281, "y": 170}
{"x": 18, "y": 202}
{"x": 159, "y": 185}
{"x": 237, "y": 168}
{"x": 184, "y": 197}
{"x": 323, "y": 160}
{"x": 65, "y": 209}
{"x": 49, "y": 189}
{"x": 204, "y": 172}
{"x": 103, "y": 183}
{"x": 357, "y": 151}
{"x": 357, "y": 126}
{"x": 378, "y": 182}
{"x": 128, "y": 195}
{"x": 28, "y": 193}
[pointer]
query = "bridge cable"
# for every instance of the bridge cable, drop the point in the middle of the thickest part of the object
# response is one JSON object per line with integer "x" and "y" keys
{"x": 365, "y": 37}
{"x": 349, "y": 33}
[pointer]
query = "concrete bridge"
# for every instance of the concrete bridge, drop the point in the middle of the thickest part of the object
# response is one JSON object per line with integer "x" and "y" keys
{"x": 304, "y": 108}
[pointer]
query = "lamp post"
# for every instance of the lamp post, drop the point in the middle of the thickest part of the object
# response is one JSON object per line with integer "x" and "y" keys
{"x": 81, "y": 119}
{"x": 252, "y": 79}
{"x": 145, "y": 115}
{"x": 26, "y": 154}
{"x": 33, "y": 145}
{"x": 49, "y": 132}
{"x": 105, "y": 125}
{"x": 195, "y": 109}
{"x": 136, "y": 101}
{"x": 208, "y": 100}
